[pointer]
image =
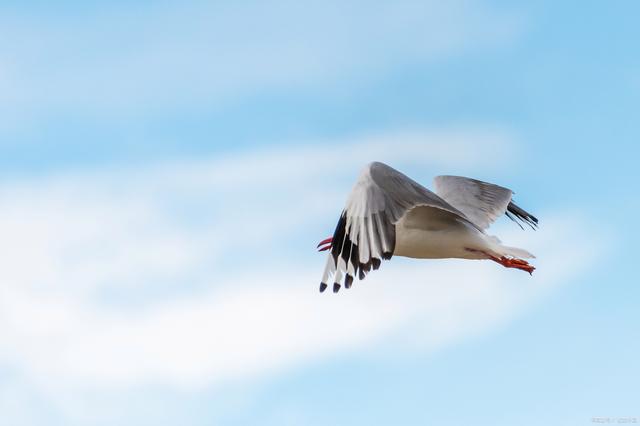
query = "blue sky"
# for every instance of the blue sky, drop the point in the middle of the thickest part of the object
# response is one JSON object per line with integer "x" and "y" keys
{"x": 166, "y": 169}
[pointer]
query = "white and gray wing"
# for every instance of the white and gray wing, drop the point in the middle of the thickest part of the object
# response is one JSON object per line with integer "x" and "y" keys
{"x": 365, "y": 234}
{"x": 481, "y": 202}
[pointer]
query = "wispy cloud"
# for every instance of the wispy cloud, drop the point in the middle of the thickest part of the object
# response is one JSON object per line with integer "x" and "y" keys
{"x": 191, "y": 275}
{"x": 151, "y": 58}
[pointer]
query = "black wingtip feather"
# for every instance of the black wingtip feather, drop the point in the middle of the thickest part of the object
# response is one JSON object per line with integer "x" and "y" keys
{"x": 348, "y": 281}
{"x": 522, "y": 215}
{"x": 375, "y": 262}
{"x": 510, "y": 216}
{"x": 323, "y": 287}
{"x": 361, "y": 274}
{"x": 343, "y": 248}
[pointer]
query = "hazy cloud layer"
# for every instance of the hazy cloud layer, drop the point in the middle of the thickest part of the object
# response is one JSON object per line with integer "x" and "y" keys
{"x": 194, "y": 274}
{"x": 152, "y": 59}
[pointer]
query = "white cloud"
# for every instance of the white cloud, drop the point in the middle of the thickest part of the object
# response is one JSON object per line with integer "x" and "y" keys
{"x": 272, "y": 320}
{"x": 183, "y": 274}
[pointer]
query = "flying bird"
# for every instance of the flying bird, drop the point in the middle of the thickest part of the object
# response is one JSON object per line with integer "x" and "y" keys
{"x": 388, "y": 214}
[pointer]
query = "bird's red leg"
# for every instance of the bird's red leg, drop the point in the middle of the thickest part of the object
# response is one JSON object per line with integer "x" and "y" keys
{"x": 507, "y": 262}
{"x": 326, "y": 243}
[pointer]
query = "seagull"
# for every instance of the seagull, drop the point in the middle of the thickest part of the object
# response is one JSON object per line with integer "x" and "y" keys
{"x": 388, "y": 214}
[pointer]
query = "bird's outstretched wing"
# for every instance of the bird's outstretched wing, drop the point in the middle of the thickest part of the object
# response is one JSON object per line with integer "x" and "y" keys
{"x": 366, "y": 234}
{"x": 481, "y": 202}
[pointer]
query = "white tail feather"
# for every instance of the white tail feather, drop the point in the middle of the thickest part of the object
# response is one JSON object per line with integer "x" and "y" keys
{"x": 514, "y": 252}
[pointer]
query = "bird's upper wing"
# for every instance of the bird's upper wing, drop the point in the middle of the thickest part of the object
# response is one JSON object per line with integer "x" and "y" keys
{"x": 481, "y": 202}
{"x": 366, "y": 233}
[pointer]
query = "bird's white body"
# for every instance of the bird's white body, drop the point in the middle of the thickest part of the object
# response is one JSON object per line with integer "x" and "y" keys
{"x": 420, "y": 235}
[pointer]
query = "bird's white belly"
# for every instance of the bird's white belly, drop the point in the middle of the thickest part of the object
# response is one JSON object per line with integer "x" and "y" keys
{"x": 456, "y": 240}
